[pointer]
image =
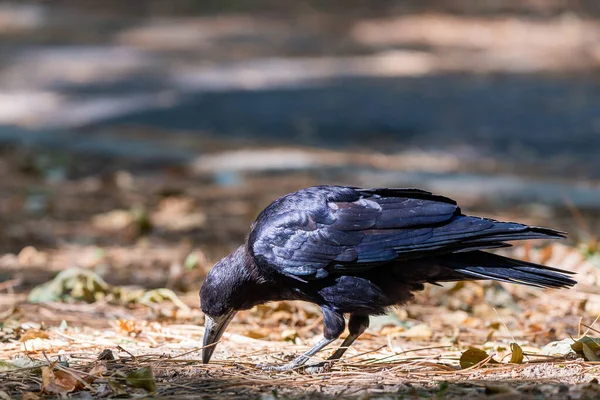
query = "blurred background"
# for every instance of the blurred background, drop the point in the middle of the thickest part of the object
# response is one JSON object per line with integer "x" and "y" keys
{"x": 141, "y": 138}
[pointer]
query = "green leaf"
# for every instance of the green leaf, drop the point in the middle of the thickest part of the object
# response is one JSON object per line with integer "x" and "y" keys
{"x": 7, "y": 366}
{"x": 587, "y": 347}
{"x": 589, "y": 353}
{"x": 517, "y": 354}
{"x": 76, "y": 284}
{"x": 142, "y": 220}
{"x": 191, "y": 261}
{"x": 116, "y": 387}
{"x": 142, "y": 378}
{"x": 442, "y": 388}
{"x": 160, "y": 295}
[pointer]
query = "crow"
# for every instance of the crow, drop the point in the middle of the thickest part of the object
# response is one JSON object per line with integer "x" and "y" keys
{"x": 357, "y": 252}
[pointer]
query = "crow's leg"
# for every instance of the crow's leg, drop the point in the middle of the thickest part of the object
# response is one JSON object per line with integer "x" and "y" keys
{"x": 334, "y": 326}
{"x": 301, "y": 360}
{"x": 356, "y": 327}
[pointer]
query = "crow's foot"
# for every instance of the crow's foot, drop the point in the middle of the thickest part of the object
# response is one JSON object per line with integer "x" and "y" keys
{"x": 279, "y": 368}
{"x": 319, "y": 368}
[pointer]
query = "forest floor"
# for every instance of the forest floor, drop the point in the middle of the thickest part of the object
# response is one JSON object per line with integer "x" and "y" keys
{"x": 122, "y": 318}
{"x": 136, "y": 151}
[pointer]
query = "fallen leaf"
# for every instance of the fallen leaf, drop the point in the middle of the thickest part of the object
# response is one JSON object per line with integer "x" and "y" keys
{"x": 142, "y": 378}
{"x": 114, "y": 220}
{"x": 473, "y": 356}
{"x": 29, "y": 255}
{"x": 116, "y": 387}
{"x": 194, "y": 260}
{"x": 517, "y": 354}
{"x": 33, "y": 334}
{"x": 289, "y": 335}
{"x": 589, "y": 353}
{"x": 58, "y": 381}
{"x": 4, "y": 395}
{"x": 95, "y": 372}
{"x": 560, "y": 348}
{"x": 127, "y": 327}
{"x": 259, "y": 333}
{"x": 7, "y": 366}
{"x": 454, "y": 318}
{"x": 587, "y": 347}
{"x": 420, "y": 331}
{"x": 155, "y": 296}
{"x": 30, "y": 396}
{"x": 77, "y": 284}
{"x": 392, "y": 331}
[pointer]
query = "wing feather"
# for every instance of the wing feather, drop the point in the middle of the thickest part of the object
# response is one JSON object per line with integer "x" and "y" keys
{"x": 311, "y": 232}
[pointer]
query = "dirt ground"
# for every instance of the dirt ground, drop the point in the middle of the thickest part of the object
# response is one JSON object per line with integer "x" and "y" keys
{"x": 125, "y": 320}
{"x": 136, "y": 147}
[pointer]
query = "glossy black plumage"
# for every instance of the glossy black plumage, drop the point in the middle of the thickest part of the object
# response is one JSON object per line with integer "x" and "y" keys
{"x": 359, "y": 251}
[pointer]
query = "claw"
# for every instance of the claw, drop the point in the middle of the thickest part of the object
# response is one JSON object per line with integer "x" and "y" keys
{"x": 319, "y": 368}
{"x": 277, "y": 368}
{"x": 309, "y": 369}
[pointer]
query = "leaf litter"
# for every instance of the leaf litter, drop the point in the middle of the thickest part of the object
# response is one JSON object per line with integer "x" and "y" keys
{"x": 118, "y": 314}
{"x": 161, "y": 356}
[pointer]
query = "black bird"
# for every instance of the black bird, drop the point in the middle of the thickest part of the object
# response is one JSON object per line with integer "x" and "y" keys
{"x": 358, "y": 252}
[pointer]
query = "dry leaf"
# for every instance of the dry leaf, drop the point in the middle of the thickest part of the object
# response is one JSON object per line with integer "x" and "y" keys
{"x": 116, "y": 387}
{"x": 259, "y": 333}
{"x": 30, "y": 396}
{"x": 289, "y": 335}
{"x": 420, "y": 331}
{"x": 4, "y": 395}
{"x": 473, "y": 356}
{"x": 155, "y": 296}
{"x": 95, "y": 372}
{"x": 58, "y": 381}
{"x": 562, "y": 348}
{"x": 34, "y": 334}
{"x": 454, "y": 318}
{"x": 127, "y": 327}
{"x": 392, "y": 331}
{"x": 114, "y": 220}
{"x": 517, "y": 354}
{"x": 142, "y": 378}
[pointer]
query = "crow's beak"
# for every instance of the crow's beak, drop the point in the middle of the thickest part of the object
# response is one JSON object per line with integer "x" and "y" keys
{"x": 213, "y": 330}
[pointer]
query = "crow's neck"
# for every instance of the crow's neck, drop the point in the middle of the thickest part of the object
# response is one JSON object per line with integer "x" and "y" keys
{"x": 254, "y": 285}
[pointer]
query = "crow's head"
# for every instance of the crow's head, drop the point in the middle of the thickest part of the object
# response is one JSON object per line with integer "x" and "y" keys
{"x": 230, "y": 286}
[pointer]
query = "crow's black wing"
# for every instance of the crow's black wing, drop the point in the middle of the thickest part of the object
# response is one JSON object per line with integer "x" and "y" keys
{"x": 309, "y": 233}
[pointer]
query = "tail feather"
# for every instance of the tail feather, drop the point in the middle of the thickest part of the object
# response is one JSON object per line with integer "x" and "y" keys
{"x": 482, "y": 265}
{"x": 548, "y": 233}
{"x": 454, "y": 237}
